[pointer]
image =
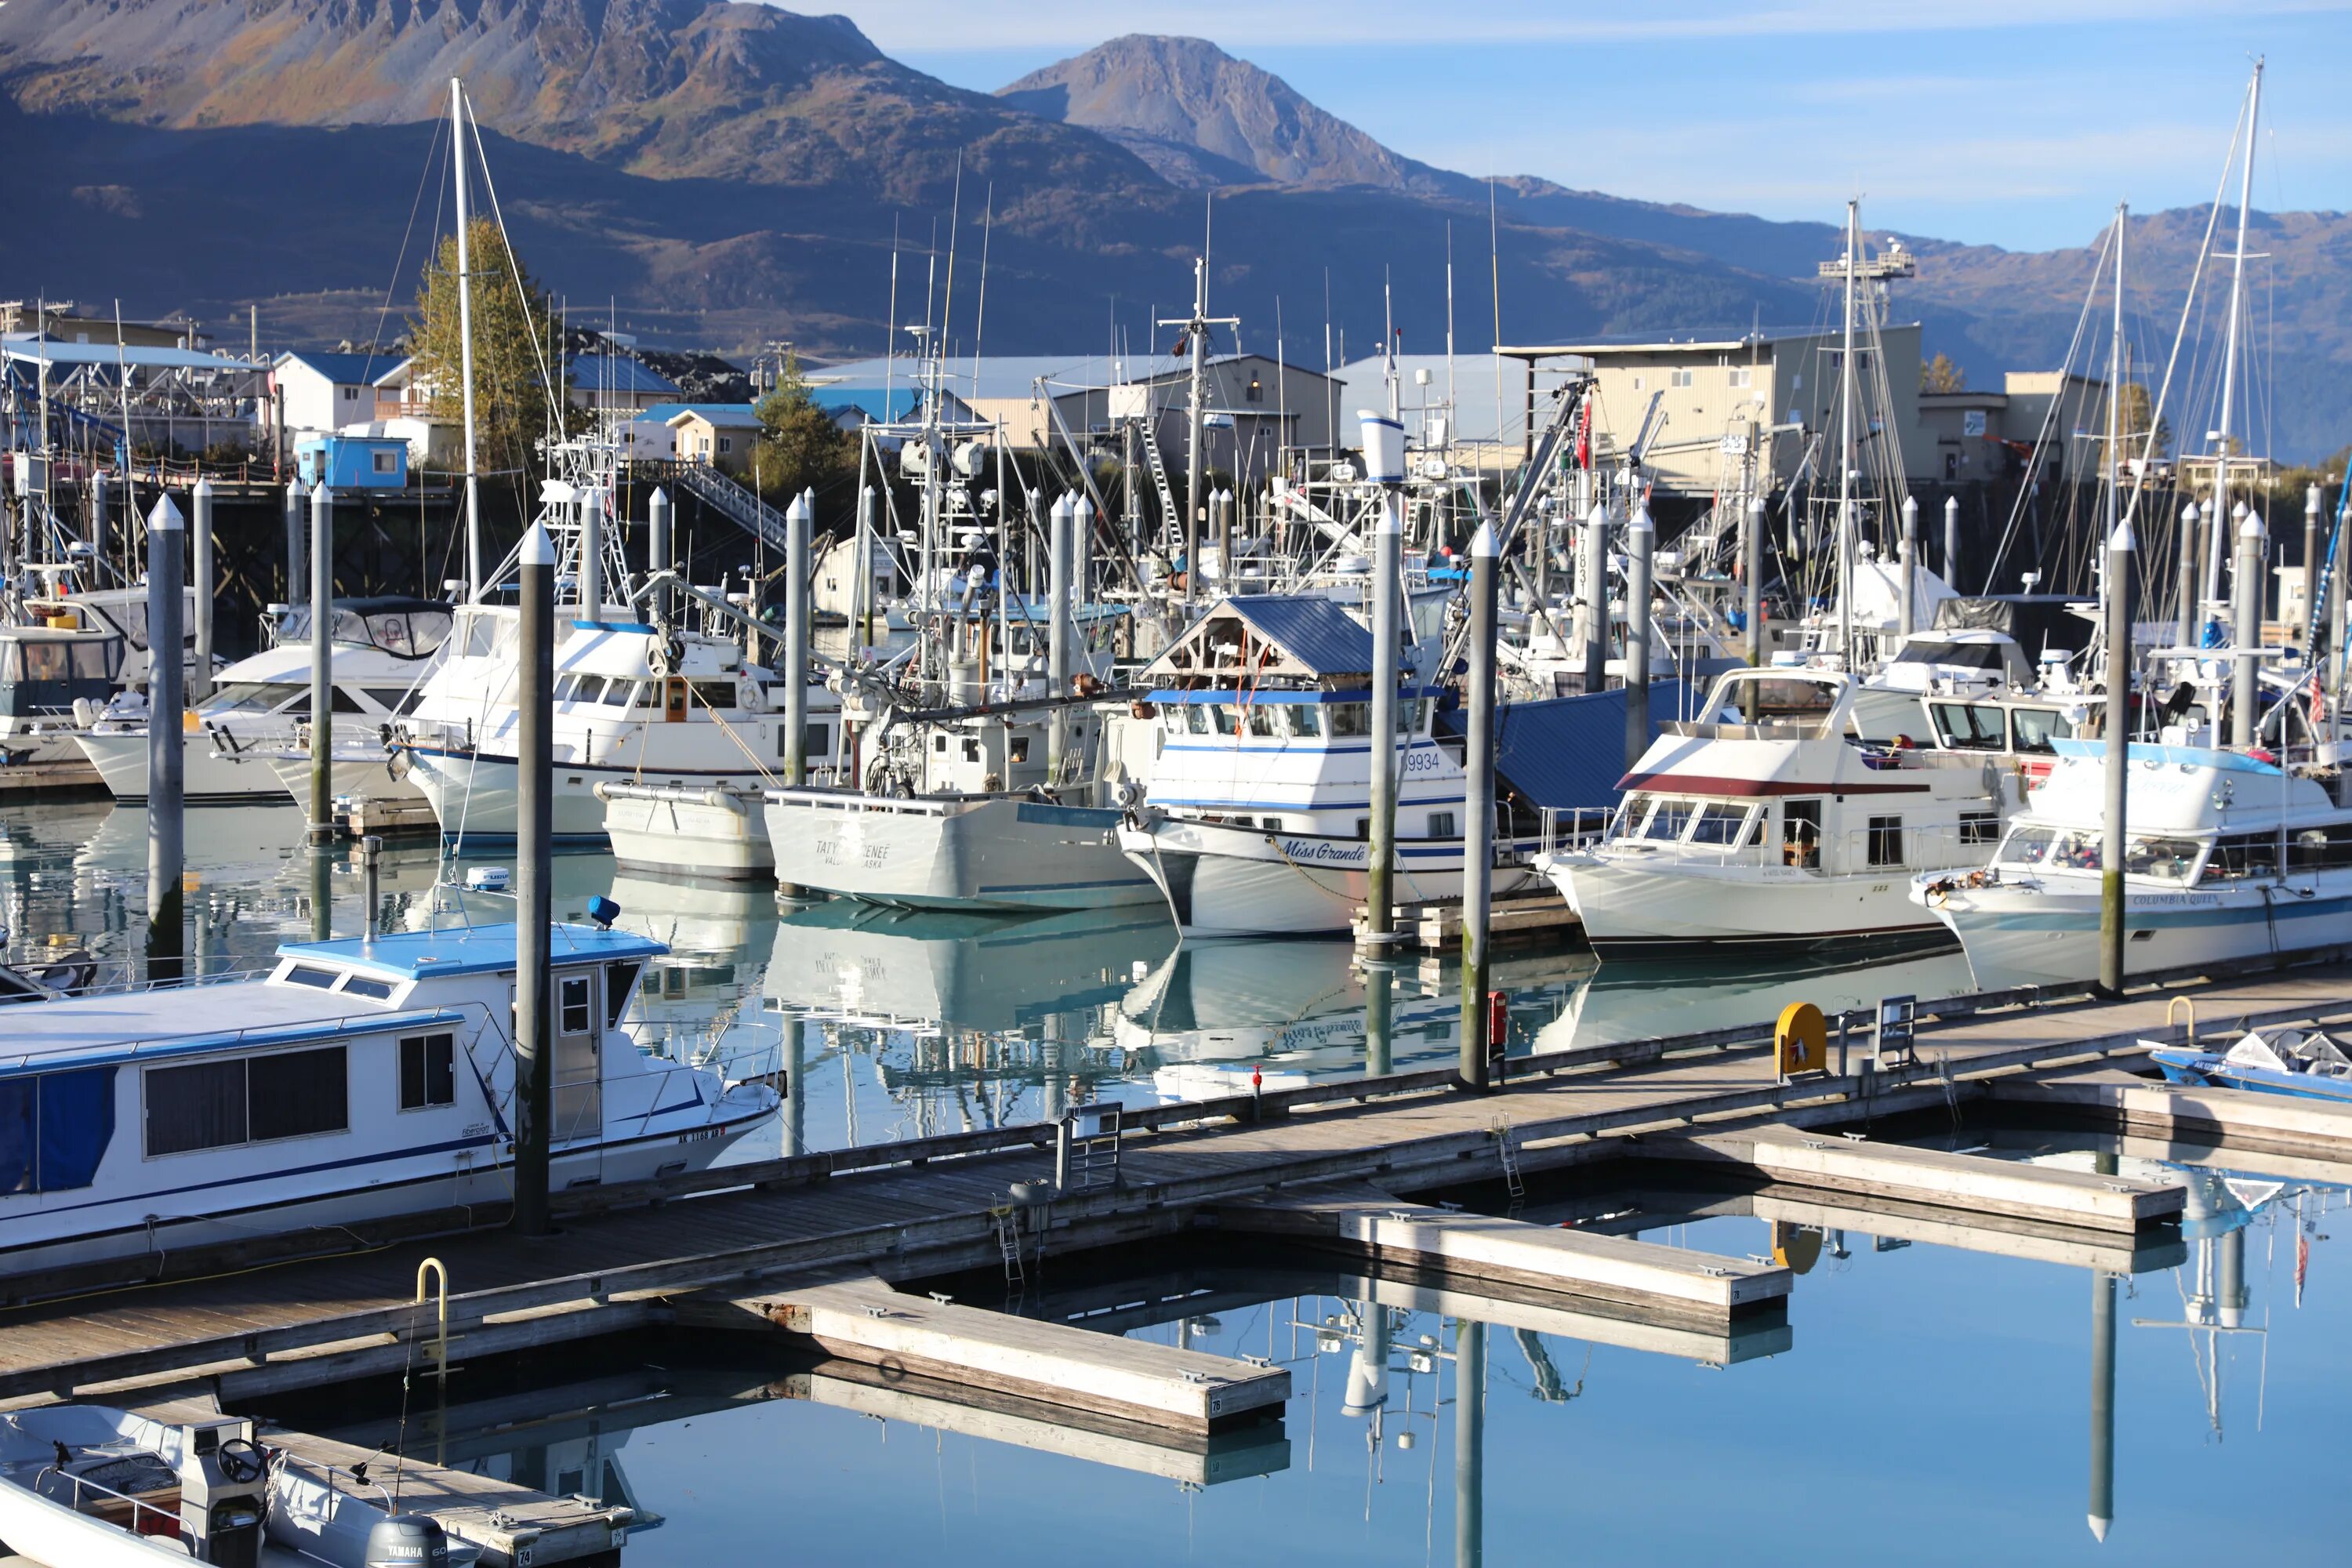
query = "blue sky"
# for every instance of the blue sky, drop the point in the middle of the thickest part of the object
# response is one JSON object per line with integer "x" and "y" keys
{"x": 2013, "y": 122}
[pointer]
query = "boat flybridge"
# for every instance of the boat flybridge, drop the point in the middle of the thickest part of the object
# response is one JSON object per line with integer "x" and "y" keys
{"x": 1773, "y": 824}
{"x": 244, "y": 741}
{"x": 357, "y": 1080}
{"x": 656, "y": 702}
{"x": 2226, "y": 857}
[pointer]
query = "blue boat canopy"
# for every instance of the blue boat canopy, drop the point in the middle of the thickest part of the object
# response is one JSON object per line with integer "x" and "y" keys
{"x": 1254, "y": 637}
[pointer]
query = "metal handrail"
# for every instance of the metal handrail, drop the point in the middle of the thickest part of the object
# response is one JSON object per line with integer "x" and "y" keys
{"x": 293, "y": 1461}
{"x": 103, "y": 1490}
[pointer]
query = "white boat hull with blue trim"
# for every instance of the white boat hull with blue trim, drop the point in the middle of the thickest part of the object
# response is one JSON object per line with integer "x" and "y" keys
{"x": 1008, "y": 852}
{"x": 2225, "y": 859}
{"x": 361, "y": 1081}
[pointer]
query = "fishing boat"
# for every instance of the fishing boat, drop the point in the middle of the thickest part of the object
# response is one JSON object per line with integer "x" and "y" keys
{"x": 1772, "y": 826}
{"x": 1256, "y": 820}
{"x": 356, "y": 1080}
{"x": 240, "y": 743}
{"x": 2308, "y": 1066}
{"x": 88, "y": 1486}
{"x": 2226, "y": 857}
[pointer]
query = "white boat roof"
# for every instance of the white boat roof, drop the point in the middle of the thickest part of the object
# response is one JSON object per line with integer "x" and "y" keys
{"x": 2175, "y": 789}
{"x": 147, "y": 1026}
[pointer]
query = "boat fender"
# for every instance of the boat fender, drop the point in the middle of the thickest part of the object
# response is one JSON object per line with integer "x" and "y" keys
{"x": 714, "y": 797}
{"x": 600, "y": 790}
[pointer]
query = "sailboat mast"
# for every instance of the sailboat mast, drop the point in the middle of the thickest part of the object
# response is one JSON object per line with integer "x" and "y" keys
{"x": 1847, "y": 450}
{"x": 2220, "y": 528}
{"x": 465, "y": 340}
{"x": 2118, "y": 658}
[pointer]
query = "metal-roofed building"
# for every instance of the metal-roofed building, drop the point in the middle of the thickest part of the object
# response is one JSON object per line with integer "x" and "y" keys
{"x": 1261, "y": 635}
{"x": 324, "y": 392}
{"x": 616, "y": 381}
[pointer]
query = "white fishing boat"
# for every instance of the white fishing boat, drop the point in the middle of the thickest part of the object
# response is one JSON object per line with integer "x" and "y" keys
{"x": 359, "y": 1079}
{"x": 2226, "y": 857}
{"x": 88, "y": 1486}
{"x": 1256, "y": 820}
{"x": 238, "y": 743}
{"x": 1770, "y": 824}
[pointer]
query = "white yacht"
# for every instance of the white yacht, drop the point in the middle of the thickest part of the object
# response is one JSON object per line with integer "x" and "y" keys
{"x": 2225, "y": 856}
{"x": 242, "y": 743}
{"x": 359, "y": 1079}
{"x": 1773, "y": 825}
{"x": 1256, "y": 820}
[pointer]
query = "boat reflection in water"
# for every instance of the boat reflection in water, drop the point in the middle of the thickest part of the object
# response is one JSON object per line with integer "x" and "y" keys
{"x": 907, "y": 1023}
{"x": 1638, "y": 999}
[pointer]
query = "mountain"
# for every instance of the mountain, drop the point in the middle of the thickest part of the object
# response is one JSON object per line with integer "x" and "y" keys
{"x": 723, "y": 175}
{"x": 1201, "y": 117}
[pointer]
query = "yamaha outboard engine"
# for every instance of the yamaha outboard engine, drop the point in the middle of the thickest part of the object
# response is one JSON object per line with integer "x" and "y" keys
{"x": 224, "y": 1487}
{"x": 407, "y": 1540}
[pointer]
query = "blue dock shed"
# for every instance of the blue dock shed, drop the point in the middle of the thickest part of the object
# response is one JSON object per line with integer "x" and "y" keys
{"x": 353, "y": 462}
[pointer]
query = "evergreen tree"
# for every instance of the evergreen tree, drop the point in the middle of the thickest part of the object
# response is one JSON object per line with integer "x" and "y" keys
{"x": 799, "y": 447}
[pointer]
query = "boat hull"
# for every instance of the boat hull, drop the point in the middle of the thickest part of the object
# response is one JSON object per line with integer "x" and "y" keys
{"x": 120, "y": 755}
{"x": 1667, "y": 908}
{"x": 2018, "y": 937}
{"x": 474, "y": 796}
{"x": 1223, "y": 880}
{"x": 716, "y": 833}
{"x": 1002, "y": 852}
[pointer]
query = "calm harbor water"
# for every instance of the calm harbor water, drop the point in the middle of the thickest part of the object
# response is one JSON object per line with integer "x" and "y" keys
{"x": 1929, "y": 1398}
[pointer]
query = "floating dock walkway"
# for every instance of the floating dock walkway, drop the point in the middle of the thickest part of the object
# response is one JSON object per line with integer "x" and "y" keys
{"x": 766, "y": 1230}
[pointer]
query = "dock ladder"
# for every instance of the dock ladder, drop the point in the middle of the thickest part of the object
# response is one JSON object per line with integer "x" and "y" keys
{"x": 1008, "y": 1242}
{"x": 1513, "y": 1182}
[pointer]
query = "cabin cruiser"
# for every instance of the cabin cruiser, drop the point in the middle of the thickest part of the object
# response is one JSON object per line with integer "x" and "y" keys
{"x": 2226, "y": 857}
{"x": 48, "y": 674}
{"x": 1257, "y": 818}
{"x": 240, "y": 743}
{"x": 358, "y": 1081}
{"x": 1773, "y": 825}
{"x": 88, "y": 1486}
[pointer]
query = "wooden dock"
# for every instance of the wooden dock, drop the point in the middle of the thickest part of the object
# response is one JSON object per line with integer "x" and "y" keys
{"x": 369, "y": 817}
{"x": 629, "y": 1257}
{"x": 1436, "y": 927}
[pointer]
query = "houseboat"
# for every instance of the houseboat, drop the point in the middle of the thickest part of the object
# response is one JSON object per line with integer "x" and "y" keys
{"x": 358, "y": 1081}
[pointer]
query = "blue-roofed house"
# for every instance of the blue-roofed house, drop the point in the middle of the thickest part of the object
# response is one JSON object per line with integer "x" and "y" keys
{"x": 853, "y": 407}
{"x": 616, "y": 381}
{"x": 325, "y": 392}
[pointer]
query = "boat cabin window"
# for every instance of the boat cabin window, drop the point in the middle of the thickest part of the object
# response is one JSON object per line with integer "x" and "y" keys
{"x": 1222, "y": 718}
{"x": 2320, "y": 848}
{"x": 572, "y": 1004}
{"x": 391, "y": 699}
{"x": 253, "y": 697}
{"x": 719, "y": 694}
{"x": 481, "y": 636}
{"x": 54, "y": 1128}
{"x": 429, "y": 1074}
{"x": 617, "y": 692}
{"x": 2161, "y": 859}
{"x": 2057, "y": 848}
{"x": 2035, "y": 728}
{"x": 1800, "y": 834}
{"x": 1768, "y": 698}
{"x": 1196, "y": 719}
{"x": 1980, "y": 827}
{"x": 251, "y": 1099}
{"x": 619, "y": 976}
{"x": 1261, "y": 720}
{"x": 1956, "y": 655}
{"x": 366, "y": 985}
{"x": 83, "y": 659}
{"x": 2244, "y": 855}
{"x": 1305, "y": 720}
{"x": 1969, "y": 726}
{"x": 1441, "y": 825}
{"x": 1668, "y": 818}
{"x": 1351, "y": 719}
{"x": 1723, "y": 825}
{"x": 311, "y": 975}
{"x": 1886, "y": 841}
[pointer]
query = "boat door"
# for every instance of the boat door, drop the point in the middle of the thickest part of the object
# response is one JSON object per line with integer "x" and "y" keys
{"x": 579, "y": 1057}
{"x": 674, "y": 699}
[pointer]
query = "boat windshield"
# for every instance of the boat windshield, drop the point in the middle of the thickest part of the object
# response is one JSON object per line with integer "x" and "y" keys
{"x": 251, "y": 696}
{"x": 1953, "y": 655}
{"x": 1778, "y": 697}
{"x": 2159, "y": 857}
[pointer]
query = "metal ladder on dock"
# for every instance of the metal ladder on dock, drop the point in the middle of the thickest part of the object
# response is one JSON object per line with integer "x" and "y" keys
{"x": 1513, "y": 1182}
{"x": 1008, "y": 1242}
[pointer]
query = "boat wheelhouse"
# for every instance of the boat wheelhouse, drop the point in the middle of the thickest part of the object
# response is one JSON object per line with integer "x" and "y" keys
{"x": 2226, "y": 858}
{"x": 359, "y": 1080}
{"x": 1258, "y": 818}
{"x": 1773, "y": 825}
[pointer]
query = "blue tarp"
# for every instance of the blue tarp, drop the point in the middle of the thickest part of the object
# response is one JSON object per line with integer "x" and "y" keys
{"x": 1568, "y": 751}
{"x": 54, "y": 1128}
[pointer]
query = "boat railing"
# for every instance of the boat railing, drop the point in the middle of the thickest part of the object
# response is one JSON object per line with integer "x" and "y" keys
{"x": 1769, "y": 730}
{"x": 170, "y": 1517}
{"x": 1571, "y": 828}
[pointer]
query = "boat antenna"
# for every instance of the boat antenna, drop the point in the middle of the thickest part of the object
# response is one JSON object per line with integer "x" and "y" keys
{"x": 980, "y": 318}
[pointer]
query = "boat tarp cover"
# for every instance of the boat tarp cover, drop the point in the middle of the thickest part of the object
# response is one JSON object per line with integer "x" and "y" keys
{"x": 54, "y": 1128}
{"x": 1569, "y": 752}
{"x": 2038, "y": 620}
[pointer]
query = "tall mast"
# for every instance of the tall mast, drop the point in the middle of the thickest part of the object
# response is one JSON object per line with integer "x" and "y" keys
{"x": 1197, "y": 338}
{"x": 465, "y": 340}
{"x": 2118, "y": 658}
{"x": 1847, "y": 451}
{"x": 2220, "y": 513}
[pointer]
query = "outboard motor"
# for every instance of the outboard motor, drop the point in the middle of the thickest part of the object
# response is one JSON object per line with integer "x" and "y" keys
{"x": 223, "y": 1483}
{"x": 407, "y": 1540}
